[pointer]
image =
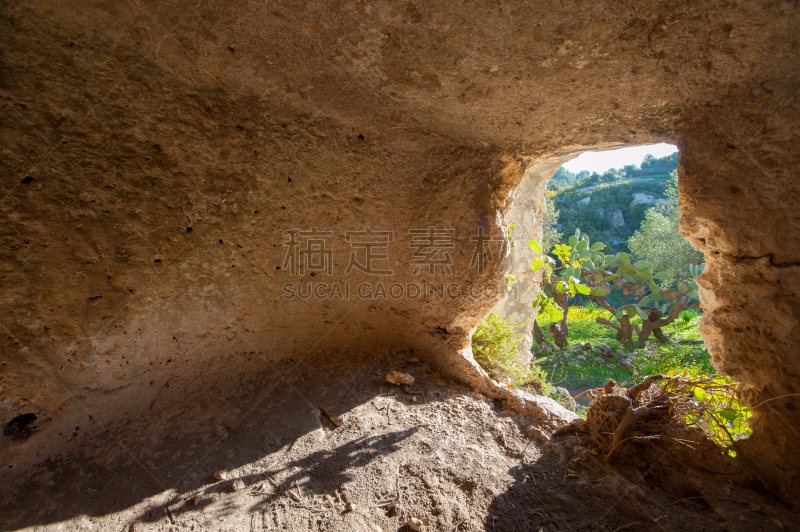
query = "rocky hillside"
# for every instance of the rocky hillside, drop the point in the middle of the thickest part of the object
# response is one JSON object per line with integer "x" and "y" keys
{"x": 611, "y": 206}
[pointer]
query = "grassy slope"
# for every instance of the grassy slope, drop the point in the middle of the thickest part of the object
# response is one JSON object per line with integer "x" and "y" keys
{"x": 685, "y": 353}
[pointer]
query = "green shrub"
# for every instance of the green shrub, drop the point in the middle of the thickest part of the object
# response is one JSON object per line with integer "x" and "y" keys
{"x": 495, "y": 345}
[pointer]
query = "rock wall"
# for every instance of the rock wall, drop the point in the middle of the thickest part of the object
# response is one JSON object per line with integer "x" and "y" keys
{"x": 157, "y": 157}
{"x": 736, "y": 202}
{"x": 526, "y": 214}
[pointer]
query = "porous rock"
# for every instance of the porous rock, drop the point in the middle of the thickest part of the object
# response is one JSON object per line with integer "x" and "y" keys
{"x": 399, "y": 378}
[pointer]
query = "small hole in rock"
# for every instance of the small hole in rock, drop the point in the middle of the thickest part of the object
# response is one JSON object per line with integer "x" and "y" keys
{"x": 19, "y": 428}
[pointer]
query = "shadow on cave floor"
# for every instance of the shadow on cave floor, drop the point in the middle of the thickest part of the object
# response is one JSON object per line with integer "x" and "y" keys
{"x": 569, "y": 487}
{"x": 448, "y": 456}
{"x": 130, "y": 473}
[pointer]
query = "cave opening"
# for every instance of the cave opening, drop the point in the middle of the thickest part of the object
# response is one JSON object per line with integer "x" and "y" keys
{"x": 634, "y": 309}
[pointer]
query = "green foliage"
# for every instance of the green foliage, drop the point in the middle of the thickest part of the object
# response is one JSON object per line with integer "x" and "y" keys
{"x": 687, "y": 315}
{"x": 560, "y": 283}
{"x": 596, "y": 216}
{"x": 659, "y": 242}
{"x": 495, "y": 345}
{"x": 649, "y": 291}
{"x": 652, "y": 166}
{"x": 562, "y": 178}
{"x": 719, "y": 412}
{"x": 655, "y": 305}
{"x": 572, "y": 257}
{"x": 585, "y": 271}
{"x": 683, "y": 354}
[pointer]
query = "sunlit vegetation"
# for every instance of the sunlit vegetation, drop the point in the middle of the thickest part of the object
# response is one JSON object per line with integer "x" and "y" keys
{"x": 495, "y": 347}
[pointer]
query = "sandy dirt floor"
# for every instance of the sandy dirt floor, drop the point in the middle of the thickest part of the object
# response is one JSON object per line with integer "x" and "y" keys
{"x": 329, "y": 449}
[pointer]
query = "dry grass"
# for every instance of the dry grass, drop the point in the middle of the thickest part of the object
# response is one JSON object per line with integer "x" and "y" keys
{"x": 495, "y": 346}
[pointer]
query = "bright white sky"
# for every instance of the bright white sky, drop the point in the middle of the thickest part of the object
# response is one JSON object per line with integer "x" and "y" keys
{"x": 600, "y": 161}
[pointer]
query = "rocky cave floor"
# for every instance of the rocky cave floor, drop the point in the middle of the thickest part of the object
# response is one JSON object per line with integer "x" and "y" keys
{"x": 448, "y": 456}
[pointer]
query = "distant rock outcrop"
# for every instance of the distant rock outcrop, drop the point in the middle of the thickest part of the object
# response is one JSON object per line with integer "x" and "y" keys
{"x": 646, "y": 199}
{"x": 617, "y": 219}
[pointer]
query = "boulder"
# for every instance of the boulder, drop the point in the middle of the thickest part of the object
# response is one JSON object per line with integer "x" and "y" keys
{"x": 617, "y": 219}
{"x": 640, "y": 198}
{"x": 563, "y": 396}
{"x": 399, "y": 378}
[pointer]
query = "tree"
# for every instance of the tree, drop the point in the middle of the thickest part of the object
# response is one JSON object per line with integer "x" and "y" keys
{"x": 562, "y": 178}
{"x": 559, "y": 283}
{"x": 585, "y": 270}
{"x": 657, "y": 307}
{"x": 659, "y": 242}
{"x": 648, "y": 161}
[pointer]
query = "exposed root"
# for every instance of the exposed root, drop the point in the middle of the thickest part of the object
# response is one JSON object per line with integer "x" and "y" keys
{"x": 653, "y": 414}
